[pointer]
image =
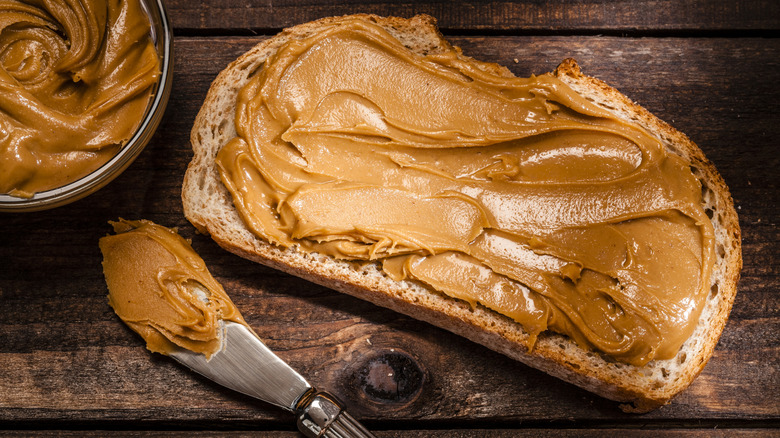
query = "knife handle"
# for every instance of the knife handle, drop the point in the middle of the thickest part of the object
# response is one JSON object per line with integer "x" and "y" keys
{"x": 321, "y": 415}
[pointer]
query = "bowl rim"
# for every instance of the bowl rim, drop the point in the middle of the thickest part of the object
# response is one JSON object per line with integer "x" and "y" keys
{"x": 112, "y": 168}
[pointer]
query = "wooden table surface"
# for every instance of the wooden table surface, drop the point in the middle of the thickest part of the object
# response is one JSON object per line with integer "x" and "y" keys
{"x": 68, "y": 366}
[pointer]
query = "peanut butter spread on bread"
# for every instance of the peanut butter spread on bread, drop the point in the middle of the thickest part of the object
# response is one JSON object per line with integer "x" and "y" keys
{"x": 160, "y": 287}
{"x": 75, "y": 80}
{"x": 516, "y": 194}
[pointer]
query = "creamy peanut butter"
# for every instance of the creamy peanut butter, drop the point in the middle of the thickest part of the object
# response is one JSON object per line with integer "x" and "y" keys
{"x": 161, "y": 288}
{"x": 75, "y": 80}
{"x": 514, "y": 193}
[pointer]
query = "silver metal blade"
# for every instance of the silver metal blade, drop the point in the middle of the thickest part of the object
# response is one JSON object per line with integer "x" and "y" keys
{"x": 246, "y": 365}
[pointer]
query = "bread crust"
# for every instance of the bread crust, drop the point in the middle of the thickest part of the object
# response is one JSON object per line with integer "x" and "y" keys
{"x": 208, "y": 206}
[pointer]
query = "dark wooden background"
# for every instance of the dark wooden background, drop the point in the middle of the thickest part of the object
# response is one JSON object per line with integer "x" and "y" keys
{"x": 69, "y": 367}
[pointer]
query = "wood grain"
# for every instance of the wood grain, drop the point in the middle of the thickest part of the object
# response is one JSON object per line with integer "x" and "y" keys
{"x": 530, "y": 432}
{"x": 67, "y": 362}
{"x": 493, "y": 16}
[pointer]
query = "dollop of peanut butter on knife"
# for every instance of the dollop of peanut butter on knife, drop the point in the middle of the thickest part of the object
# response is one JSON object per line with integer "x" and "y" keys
{"x": 160, "y": 287}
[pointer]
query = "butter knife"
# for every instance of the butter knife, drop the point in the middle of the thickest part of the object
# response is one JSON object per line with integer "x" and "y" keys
{"x": 245, "y": 364}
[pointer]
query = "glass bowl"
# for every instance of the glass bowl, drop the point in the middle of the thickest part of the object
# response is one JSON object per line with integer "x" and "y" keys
{"x": 162, "y": 36}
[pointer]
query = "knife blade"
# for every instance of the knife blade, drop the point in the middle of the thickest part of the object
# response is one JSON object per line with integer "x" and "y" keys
{"x": 246, "y": 365}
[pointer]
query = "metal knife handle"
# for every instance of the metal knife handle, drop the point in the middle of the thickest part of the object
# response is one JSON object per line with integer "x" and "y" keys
{"x": 321, "y": 415}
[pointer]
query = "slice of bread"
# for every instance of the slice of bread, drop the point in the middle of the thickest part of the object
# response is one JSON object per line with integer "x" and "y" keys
{"x": 208, "y": 205}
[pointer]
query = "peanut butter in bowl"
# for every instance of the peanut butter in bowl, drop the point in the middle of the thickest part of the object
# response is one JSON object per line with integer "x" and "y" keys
{"x": 79, "y": 81}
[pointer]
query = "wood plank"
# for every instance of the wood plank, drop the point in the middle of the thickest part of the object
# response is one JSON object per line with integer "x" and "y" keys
{"x": 523, "y": 16}
{"x": 65, "y": 358}
{"x": 448, "y": 433}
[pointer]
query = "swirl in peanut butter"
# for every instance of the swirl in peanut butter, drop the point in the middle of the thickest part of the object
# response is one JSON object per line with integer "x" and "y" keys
{"x": 514, "y": 193}
{"x": 161, "y": 288}
{"x": 75, "y": 81}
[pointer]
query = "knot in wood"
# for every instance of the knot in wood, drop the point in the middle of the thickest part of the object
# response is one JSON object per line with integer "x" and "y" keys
{"x": 389, "y": 376}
